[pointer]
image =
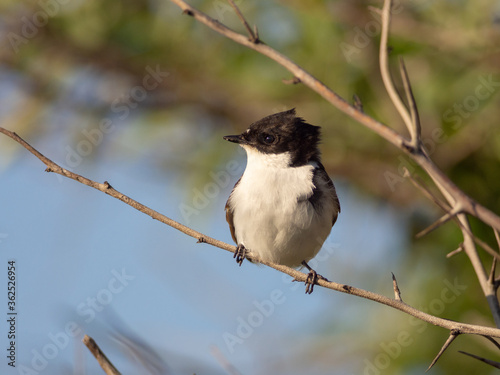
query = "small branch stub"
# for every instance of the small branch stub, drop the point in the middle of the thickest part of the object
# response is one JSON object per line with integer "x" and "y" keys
{"x": 397, "y": 292}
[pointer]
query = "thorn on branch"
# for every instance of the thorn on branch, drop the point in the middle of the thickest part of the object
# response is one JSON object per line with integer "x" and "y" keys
{"x": 107, "y": 185}
{"x": 487, "y": 361}
{"x": 414, "y": 129}
{"x": 456, "y": 251}
{"x": 497, "y": 236}
{"x": 453, "y": 335}
{"x": 491, "y": 278}
{"x": 492, "y": 341}
{"x": 253, "y": 35}
{"x": 293, "y": 81}
{"x": 397, "y": 292}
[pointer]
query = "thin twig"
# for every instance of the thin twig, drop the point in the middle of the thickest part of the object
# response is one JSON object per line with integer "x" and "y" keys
{"x": 456, "y": 251}
{"x": 415, "y": 129}
{"x": 418, "y": 183}
{"x": 485, "y": 360}
{"x": 453, "y": 335}
{"x": 300, "y": 276}
{"x": 385, "y": 71}
{"x": 437, "y": 223}
{"x": 491, "y": 278}
{"x": 253, "y": 36}
{"x": 101, "y": 358}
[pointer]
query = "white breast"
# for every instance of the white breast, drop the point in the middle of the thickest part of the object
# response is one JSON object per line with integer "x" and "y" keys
{"x": 271, "y": 212}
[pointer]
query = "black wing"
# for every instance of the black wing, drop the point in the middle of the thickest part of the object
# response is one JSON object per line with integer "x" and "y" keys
{"x": 320, "y": 177}
{"x": 229, "y": 214}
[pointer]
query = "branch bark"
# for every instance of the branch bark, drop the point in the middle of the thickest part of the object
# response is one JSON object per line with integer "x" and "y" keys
{"x": 395, "y": 303}
{"x": 101, "y": 358}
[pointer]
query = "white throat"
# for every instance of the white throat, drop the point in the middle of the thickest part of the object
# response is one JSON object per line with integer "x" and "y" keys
{"x": 257, "y": 159}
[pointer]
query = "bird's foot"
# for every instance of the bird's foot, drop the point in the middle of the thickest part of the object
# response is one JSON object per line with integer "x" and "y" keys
{"x": 312, "y": 278}
{"x": 240, "y": 254}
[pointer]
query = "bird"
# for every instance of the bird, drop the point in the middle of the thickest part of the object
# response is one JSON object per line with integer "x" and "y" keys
{"x": 284, "y": 206}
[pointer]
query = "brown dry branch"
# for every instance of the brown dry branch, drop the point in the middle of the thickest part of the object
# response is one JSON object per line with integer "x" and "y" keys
{"x": 395, "y": 303}
{"x": 101, "y": 358}
{"x": 457, "y": 199}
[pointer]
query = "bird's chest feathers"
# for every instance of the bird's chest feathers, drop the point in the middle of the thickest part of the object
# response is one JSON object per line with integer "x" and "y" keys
{"x": 269, "y": 185}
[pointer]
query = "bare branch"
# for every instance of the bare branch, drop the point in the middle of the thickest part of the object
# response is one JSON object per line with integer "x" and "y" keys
{"x": 417, "y": 182}
{"x": 437, "y": 223}
{"x": 415, "y": 130}
{"x": 300, "y": 276}
{"x": 497, "y": 236}
{"x": 453, "y": 335}
{"x": 253, "y": 34}
{"x": 488, "y": 361}
{"x": 456, "y": 251}
{"x": 104, "y": 362}
{"x": 385, "y": 71}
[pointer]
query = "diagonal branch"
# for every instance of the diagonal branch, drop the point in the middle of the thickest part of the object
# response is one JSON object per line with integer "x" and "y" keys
{"x": 385, "y": 71}
{"x": 300, "y": 276}
{"x": 101, "y": 358}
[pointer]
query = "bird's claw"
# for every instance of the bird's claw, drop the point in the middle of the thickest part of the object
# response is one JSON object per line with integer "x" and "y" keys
{"x": 240, "y": 254}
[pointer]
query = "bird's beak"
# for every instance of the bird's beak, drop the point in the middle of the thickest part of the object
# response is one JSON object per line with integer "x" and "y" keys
{"x": 235, "y": 138}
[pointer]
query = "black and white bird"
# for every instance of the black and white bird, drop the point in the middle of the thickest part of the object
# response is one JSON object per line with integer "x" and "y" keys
{"x": 283, "y": 207}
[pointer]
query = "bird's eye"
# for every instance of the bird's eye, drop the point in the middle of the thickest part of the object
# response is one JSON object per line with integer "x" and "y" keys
{"x": 268, "y": 138}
